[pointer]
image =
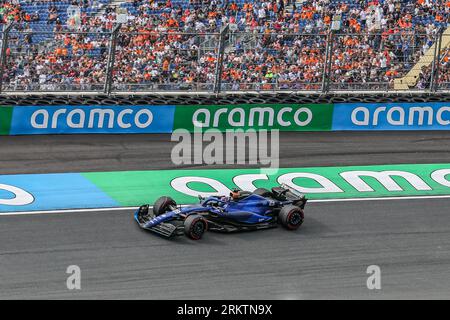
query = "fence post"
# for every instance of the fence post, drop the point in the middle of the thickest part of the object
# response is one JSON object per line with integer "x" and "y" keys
{"x": 111, "y": 58}
{"x": 433, "y": 64}
{"x": 6, "y": 31}
{"x": 219, "y": 62}
{"x": 325, "y": 64}
{"x": 436, "y": 62}
{"x": 327, "y": 73}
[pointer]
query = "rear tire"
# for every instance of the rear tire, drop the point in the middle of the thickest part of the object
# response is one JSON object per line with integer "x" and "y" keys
{"x": 263, "y": 192}
{"x": 195, "y": 226}
{"x": 291, "y": 217}
{"x": 162, "y": 205}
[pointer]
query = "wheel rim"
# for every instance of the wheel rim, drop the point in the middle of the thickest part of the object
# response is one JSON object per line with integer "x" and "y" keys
{"x": 295, "y": 219}
{"x": 197, "y": 229}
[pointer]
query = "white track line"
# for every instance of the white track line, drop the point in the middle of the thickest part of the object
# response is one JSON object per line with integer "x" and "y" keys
{"x": 134, "y": 208}
{"x": 67, "y": 211}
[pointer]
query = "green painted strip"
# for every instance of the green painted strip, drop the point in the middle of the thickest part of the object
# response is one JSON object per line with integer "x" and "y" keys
{"x": 5, "y": 119}
{"x": 284, "y": 117}
{"x": 131, "y": 188}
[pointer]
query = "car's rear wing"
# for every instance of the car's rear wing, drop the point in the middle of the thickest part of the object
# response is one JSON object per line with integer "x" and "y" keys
{"x": 292, "y": 190}
{"x": 300, "y": 197}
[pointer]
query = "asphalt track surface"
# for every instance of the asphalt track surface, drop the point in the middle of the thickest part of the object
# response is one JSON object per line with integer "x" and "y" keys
{"x": 326, "y": 258}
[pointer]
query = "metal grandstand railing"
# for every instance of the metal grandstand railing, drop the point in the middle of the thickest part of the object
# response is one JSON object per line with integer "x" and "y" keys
{"x": 229, "y": 61}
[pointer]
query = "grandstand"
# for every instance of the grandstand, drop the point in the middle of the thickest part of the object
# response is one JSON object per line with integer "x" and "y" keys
{"x": 219, "y": 45}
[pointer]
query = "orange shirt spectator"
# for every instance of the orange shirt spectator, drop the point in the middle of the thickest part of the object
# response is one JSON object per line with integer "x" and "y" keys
{"x": 165, "y": 65}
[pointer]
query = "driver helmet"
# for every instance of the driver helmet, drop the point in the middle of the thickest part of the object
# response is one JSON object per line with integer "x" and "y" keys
{"x": 235, "y": 193}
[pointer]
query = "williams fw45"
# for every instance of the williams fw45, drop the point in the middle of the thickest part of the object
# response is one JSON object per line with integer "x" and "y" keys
{"x": 241, "y": 210}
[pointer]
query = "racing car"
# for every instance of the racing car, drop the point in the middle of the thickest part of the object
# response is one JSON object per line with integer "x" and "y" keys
{"x": 241, "y": 210}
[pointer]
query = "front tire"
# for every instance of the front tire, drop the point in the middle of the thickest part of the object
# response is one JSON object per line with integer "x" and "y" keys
{"x": 162, "y": 205}
{"x": 291, "y": 217}
{"x": 195, "y": 226}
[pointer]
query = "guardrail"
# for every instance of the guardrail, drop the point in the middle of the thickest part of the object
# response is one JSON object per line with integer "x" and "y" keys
{"x": 232, "y": 62}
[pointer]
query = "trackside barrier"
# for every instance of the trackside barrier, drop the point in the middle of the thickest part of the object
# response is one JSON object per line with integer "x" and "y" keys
{"x": 22, "y": 120}
{"x": 391, "y": 116}
{"x": 19, "y": 120}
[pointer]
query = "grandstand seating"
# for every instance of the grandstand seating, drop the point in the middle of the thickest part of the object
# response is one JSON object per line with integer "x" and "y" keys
{"x": 379, "y": 41}
{"x": 43, "y": 30}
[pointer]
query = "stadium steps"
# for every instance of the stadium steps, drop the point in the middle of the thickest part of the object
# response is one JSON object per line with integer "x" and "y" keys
{"x": 411, "y": 78}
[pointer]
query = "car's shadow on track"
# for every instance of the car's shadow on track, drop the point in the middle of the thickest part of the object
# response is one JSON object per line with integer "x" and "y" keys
{"x": 311, "y": 227}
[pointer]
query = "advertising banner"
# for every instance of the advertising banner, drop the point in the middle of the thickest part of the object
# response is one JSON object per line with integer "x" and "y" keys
{"x": 16, "y": 120}
{"x": 91, "y": 119}
{"x": 5, "y": 119}
{"x": 391, "y": 116}
{"x": 284, "y": 117}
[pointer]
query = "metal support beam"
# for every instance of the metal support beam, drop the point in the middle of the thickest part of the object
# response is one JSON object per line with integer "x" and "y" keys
{"x": 3, "y": 57}
{"x": 325, "y": 66}
{"x": 437, "y": 62}
{"x": 327, "y": 73}
{"x": 219, "y": 62}
{"x": 111, "y": 58}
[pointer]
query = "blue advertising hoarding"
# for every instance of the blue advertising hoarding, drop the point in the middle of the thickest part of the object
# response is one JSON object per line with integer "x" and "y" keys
{"x": 17, "y": 120}
{"x": 92, "y": 119}
{"x": 391, "y": 116}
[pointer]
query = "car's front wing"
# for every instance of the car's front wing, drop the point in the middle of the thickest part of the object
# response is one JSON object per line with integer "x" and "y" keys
{"x": 166, "y": 229}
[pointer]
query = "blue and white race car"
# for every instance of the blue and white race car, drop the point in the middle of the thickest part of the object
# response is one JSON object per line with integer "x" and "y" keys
{"x": 241, "y": 210}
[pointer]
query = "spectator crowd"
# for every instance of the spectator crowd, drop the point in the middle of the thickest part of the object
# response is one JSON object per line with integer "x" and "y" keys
{"x": 174, "y": 44}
